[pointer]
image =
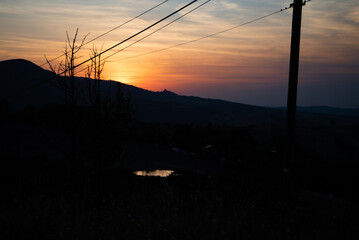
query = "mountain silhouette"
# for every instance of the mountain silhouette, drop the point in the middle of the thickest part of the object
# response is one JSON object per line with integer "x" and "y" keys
{"x": 26, "y": 84}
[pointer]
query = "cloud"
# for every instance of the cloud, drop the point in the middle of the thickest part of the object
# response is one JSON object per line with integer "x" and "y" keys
{"x": 353, "y": 15}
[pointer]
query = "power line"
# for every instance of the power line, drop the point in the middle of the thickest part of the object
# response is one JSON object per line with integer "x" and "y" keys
{"x": 111, "y": 30}
{"x": 159, "y": 50}
{"x": 191, "y": 41}
{"x": 158, "y": 29}
{"x": 127, "y": 39}
{"x": 208, "y": 36}
{"x": 151, "y": 33}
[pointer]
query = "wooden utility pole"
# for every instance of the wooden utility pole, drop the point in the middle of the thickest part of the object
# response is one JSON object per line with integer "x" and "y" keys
{"x": 292, "y": 92}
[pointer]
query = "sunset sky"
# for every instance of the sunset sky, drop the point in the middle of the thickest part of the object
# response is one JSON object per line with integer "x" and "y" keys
{"x": 248, "y": 64}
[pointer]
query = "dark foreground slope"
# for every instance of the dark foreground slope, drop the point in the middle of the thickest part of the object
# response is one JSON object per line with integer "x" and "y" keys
{"x": 67, "y": 174}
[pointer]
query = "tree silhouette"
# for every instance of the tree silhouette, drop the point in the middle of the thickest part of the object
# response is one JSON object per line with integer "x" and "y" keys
{"x": 65, "y": 73}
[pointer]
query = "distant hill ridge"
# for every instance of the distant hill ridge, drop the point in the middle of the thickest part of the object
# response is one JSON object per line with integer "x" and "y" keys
{"x": 24, "y": 83}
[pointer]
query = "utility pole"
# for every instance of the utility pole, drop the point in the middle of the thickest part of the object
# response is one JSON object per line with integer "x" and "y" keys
{"x": 292, "y": 93}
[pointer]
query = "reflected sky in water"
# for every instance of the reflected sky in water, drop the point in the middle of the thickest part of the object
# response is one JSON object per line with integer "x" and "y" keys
{"x": 154, "y": 173}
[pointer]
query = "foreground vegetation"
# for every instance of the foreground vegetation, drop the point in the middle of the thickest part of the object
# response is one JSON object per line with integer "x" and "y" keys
{"x": 227, "y": 183}
{"x": 119, "y": 205}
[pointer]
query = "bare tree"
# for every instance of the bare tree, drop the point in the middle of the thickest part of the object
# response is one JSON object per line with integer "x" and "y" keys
{"x": 66, "y": 68}
{"x": 94, "y": 75}
{"x": 66, "y": 78}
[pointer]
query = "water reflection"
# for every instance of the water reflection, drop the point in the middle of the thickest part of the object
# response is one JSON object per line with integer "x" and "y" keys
{"x": 154, "y": 173}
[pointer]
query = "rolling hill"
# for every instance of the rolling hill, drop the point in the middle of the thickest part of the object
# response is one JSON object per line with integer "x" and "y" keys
{"x": 24, "y": 83}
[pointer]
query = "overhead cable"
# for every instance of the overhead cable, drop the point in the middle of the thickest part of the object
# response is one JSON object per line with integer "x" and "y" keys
{"x": 157, "y": 30}
{"x": 114, "y": 46}
{"x": 129, "y": 38}
{"x": 208, "y": 36}
{"x": 111, "y": 30}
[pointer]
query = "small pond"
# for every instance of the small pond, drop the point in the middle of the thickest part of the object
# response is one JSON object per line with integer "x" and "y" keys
{"x": 154, "y": 173}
